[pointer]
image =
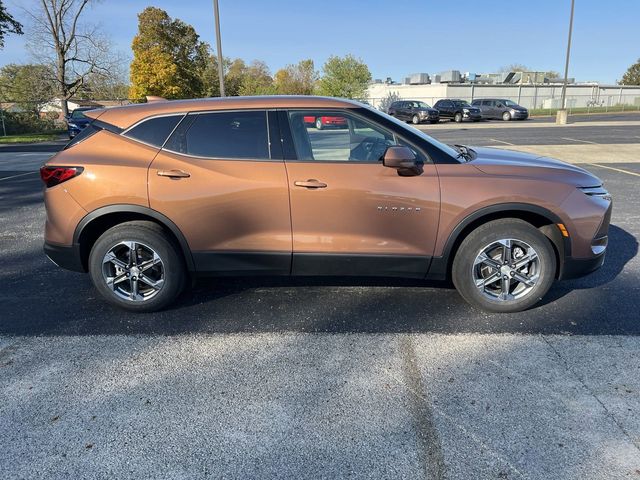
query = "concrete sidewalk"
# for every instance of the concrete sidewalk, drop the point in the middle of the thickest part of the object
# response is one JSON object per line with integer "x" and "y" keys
{"x": 320, "y": 406}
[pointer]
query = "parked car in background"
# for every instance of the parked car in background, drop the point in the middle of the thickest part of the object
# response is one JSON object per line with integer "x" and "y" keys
{"x": 149, "y": 197}
{"x": 500, "y": 108}
{"x": 413, "y": 111}
{"x": 325, "y": 121}
{"x": 77, "y": 121}
{"x": 457, "y": 110}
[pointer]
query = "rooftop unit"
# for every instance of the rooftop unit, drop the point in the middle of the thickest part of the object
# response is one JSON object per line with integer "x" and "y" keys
{"x": 418, "y": 79}
{"x": 450, "y": 76}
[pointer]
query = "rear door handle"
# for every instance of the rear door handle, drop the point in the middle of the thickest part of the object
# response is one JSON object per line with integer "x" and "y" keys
{"x": 311, "y": 183}
{"x": 173, "y": 173}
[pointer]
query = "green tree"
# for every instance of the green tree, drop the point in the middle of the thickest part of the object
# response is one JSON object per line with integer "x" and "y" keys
{"x": 234, "y": 77}
{"x": 299, "y": 79}
{"x": 7, "y": 24}
{"x": 30, "y": 86}
{"x": 257, "y": 80}
{"x": 632, "y": 75}
{"x": 346, "y": 77}
{"x": 168, "y": 57}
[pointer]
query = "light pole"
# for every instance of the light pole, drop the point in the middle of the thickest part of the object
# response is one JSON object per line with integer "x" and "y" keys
{"x": 561, "y": 117}
{"x": 216, "y": 13}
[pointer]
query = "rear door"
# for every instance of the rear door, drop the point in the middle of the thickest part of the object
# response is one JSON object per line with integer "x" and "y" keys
{"x": 223, "y": 186}
{"x": 351, "y": 215}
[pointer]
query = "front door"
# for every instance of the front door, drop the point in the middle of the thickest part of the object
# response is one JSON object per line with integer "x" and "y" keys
{"x": 351, "y": 215}
{"x": 218, "y": 181}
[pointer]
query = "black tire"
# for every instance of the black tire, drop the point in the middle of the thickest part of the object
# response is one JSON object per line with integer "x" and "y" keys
{"x": 473, "y": 245}
{"x": 506, "y": 116}
{"x": 415, "y": 119}
{"x": 457, "y": 117}
{"x": 319, "y": 123}
{"x": 152, "y": 237}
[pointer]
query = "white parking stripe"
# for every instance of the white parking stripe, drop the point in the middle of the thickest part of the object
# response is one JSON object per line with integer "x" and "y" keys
{"x": 616, "y": 169}
{"x": 14, "y": 176}
{"x": 578, "y": 140}
{"x": 501, "y": 141}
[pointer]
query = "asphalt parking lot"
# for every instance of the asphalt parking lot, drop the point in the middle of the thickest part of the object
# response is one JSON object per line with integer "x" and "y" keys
{"x": 326, "y": 378}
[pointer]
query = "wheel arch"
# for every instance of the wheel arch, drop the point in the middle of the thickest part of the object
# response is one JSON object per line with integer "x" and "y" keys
{"x": 543, "y": 219}
{"x": 100, "y": 220}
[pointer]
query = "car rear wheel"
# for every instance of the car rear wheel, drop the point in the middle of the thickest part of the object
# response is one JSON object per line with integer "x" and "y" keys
{"x": 506, "y": 116}
{"x": 319, "y": 123}
{"x": 136, "y": 266}
{"x": 457, "y": 117}
{"x": 505, "y": 266}
{"x": 415, "y": 119}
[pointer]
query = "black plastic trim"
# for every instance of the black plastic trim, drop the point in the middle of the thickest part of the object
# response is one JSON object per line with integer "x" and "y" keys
{"x": 579, "y": 267}
{"x": 349, "y": 264}
{"x": 239, "y": 263}
{"x": 65, "y": 256}
{"x": 126, "y": 208}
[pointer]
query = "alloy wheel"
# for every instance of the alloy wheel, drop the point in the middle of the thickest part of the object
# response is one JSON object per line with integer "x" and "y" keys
{"x": 507, "y": 269}
{"x": 133, "y": 271}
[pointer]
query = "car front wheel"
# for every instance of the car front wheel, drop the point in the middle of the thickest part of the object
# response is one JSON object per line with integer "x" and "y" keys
{"x": 506, "y": 116}
{"x": 457, "y": 117}
{"x": 136, "y": 266}
{"x": 505, "y": 266}
{"x": 415, "y": 119}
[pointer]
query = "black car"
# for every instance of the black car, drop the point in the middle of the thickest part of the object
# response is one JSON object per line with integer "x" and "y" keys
{"x": 414, "y": 111}
{"x": 501, "y": 108}
{"x": 77, "y": 121}
{"x": 457, "y": 110}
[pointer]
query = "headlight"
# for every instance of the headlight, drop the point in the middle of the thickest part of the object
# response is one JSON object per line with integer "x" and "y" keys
{"x": 465, "y": 110}
{"x": 599, "y": 192}
{"x": 73, "y": 125}
{"x": 513, "y": 111}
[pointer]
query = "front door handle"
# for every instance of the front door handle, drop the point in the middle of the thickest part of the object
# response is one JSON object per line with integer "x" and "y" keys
{"x": 311, "y": 183}
{"x": 173, "y": 173}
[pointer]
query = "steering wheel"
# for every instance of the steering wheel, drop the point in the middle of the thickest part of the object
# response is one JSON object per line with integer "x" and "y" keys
{"x": 370, "y": 149}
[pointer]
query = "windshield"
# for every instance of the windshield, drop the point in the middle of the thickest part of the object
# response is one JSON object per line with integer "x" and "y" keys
{"x": 461, "y": 103}
{"x": 414, "y": 131}
{"x": 509, "y": 103}
{"x": 421, "y": 105}
{"x": 78, "y": 114}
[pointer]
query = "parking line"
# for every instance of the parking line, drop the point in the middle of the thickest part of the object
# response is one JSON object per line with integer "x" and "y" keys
{"x": 577, "y": 140}
{"x": 501, "y": 141}
{"x": 616, "y": 169}
{"x": 14, "y": 176}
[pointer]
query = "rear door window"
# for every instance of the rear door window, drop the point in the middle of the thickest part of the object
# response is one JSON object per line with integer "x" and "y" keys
{"x": 239, "y": 134}
{"x": 155, "y": 130}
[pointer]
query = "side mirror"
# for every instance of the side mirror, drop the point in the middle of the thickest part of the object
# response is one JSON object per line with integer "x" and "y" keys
{"x": 403, "y": 160}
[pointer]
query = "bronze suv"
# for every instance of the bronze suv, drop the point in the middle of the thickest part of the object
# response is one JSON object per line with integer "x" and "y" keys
{"x": 150, "y": 196}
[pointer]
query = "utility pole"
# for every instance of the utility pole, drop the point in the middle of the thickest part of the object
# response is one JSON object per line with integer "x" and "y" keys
{"x": 561, "y": 117}
{"x": 216, "y": 12}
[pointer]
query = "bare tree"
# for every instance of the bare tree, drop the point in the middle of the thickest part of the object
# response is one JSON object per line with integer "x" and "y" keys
{"x": 76, "y": 51}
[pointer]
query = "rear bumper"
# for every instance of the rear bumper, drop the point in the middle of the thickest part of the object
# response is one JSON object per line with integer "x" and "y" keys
{"x": 579, "y": 267}
{"x": 65, "y": 256}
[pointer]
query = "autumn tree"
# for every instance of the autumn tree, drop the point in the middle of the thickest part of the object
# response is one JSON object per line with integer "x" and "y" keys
{"x": 74, "y": 48}
{"x": 7, "y": 24}
{"x": 169, "y": 59}
{"x": 346, "y": 77}
{"x": 632, "y": 75}
{"x": 298, "y": 79}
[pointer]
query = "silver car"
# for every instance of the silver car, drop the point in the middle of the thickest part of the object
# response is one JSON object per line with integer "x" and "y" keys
{"x": 501, "y": 108}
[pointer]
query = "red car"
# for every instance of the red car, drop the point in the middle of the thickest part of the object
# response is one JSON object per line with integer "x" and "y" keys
{"x": 322, "y": 122}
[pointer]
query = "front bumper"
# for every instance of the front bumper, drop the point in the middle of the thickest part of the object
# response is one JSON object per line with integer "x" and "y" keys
{"x": 64, "y": 256}
{"x": 472, "y": 116}
{"x": 579, "y": 267}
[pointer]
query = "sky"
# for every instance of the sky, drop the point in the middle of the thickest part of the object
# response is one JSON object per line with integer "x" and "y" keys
{"x": 394, "y": 37}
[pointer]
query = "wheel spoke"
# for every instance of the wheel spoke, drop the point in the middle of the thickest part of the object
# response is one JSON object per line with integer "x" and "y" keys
{"x": 133, "y": 257}
{"x": 486, "y": 260}
{"x": 134, "y": 293}
{"x": 112, "y": 281}
{"x": 111, "y": 258}
{"x": 521, "y": 277}
{"x": 505, "y": 283}
{"x": 483, "y": 282}
{"x": 155, "y": 284}
{"x": 149, "y": 263}
{"x": 506, "y": 250}
{"x": 521, "y": 262}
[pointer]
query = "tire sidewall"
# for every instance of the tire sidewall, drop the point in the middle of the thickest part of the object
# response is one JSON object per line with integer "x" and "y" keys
{"x": 174, "y": 269}
{"x": 506, "y": 116}
{"x": 415, "y": 120}
{"x": 457, "y": 118}
{"x": 462, "y": 271}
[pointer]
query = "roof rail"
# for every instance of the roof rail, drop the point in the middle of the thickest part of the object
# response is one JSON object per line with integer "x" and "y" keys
{"x": 153, "y": 98}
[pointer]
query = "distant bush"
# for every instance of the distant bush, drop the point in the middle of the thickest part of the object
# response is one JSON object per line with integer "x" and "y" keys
{"x": 27, "y": 122}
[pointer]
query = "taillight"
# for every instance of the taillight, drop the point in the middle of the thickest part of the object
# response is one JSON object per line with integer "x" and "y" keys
{"x": 52, "y": 176}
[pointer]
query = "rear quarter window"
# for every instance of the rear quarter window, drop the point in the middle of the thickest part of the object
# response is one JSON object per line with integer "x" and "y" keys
{"x": 154, "y": 131}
